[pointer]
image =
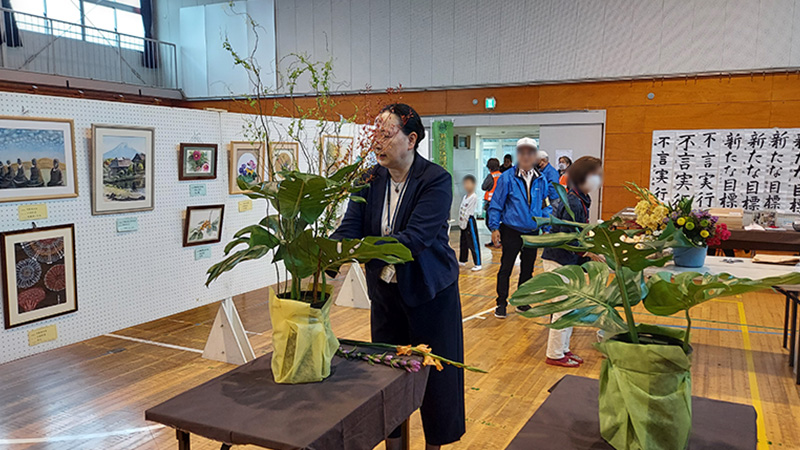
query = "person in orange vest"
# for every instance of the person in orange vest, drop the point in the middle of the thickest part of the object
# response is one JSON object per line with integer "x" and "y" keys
{"x": 488, "y": 186}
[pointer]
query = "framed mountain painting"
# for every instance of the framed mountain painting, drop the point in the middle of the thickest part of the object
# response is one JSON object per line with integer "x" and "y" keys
{"x": 38, "y": 274}
{"x": 37, "y": 159}
{"x": 122, "y": 169}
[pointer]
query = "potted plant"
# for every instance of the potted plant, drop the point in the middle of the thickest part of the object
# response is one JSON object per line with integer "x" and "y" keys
{"x": 645, "y": 379}
{"x": 698, "y": 226}
{"x": 296, "y": 235}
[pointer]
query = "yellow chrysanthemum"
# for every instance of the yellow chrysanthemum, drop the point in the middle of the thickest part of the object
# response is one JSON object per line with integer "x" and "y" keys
{"x": 681, "y": 221}
{"x": 704, "y": 233}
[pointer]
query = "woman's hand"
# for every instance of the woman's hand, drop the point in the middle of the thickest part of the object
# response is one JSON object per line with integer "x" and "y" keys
{"x": 596, "y": 257}
{"x": 496, "y": 238}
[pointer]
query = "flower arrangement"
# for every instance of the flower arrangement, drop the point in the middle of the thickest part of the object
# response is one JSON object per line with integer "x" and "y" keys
{"x": 411, "y": 365}
{"x": 198, "y": 161}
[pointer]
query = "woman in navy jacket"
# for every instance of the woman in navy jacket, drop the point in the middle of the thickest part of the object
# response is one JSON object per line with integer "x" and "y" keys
{"x": 418, "y": 302}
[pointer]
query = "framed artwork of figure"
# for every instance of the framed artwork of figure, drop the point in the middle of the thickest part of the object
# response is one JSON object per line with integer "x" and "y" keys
{"x": 38, "y": 274}
{"x": 37, "y": 159}
{"x": 246, "y": 163}
{"x": 284, "y": 156}
{"x": 334, "y": 153}
{"x": 197, "y": 162}
{"x": 122, "y": 169}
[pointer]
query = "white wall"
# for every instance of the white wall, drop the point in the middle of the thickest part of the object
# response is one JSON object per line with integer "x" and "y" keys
{"x": 426, "y": 43}
{"x": 124, "y": 279}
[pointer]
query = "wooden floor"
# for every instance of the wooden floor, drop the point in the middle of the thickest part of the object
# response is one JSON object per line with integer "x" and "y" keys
{"x": 92, "y": 395}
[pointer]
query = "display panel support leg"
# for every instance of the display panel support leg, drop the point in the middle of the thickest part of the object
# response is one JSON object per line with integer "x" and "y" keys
{"x": 786, "y": 320}
{"x": 405, "y": 435}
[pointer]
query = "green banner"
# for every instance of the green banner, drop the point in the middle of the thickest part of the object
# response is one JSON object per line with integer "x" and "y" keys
{"x": 442, "y": 149}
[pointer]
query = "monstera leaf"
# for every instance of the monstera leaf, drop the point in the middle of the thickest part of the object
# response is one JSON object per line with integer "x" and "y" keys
{"x": 583, "y": 290}
{"x": 669, "y": 295}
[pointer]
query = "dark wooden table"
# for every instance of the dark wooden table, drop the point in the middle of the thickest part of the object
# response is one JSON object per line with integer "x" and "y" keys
{"x": 568, "y": 420}
{"x": 355, "y": 408}
{"x": 785, "y": 241}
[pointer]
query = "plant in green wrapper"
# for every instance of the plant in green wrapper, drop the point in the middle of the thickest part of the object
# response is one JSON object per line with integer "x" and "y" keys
{"x": 645, "y": 379}
{"x": 301, "y": 211}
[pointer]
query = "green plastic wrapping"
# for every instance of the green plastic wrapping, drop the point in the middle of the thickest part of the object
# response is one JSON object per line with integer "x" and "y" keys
{"x": 302, "y": 339}
{"x": 645, "y": 393}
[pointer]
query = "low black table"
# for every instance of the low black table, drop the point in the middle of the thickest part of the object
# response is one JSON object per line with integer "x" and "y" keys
{"x": 568, "y": 420}
{"x": 355, "y": 408}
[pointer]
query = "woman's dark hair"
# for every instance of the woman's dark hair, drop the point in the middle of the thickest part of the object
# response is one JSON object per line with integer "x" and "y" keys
{"x": 580, "y": 169}
{"x": 493, "y": 165}
{"x": 508, "y": 157}
{"x": 566, "y": 159}
{"x": 410, "y": 121}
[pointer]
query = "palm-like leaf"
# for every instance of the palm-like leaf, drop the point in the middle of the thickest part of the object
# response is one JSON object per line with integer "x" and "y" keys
{"x": 583, "y": 290}
{"x": 669, "y": 295}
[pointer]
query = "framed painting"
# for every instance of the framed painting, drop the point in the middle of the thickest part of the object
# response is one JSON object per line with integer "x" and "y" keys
{"x": 122, "y": 169}
{"x": 334, "y": 153}
{"x": 197, "y": 162}
{"x": 38, "y": 274}
{"x": 203, "y": 225}
{"x": 247, "y": 163}
{"x": 37, "y": 159}
{"x": 284, "y": 156}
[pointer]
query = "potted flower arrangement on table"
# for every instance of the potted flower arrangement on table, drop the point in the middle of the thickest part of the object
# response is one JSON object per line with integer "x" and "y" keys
{"x": 699, "y": 228}
{"x": 645, "y": 379}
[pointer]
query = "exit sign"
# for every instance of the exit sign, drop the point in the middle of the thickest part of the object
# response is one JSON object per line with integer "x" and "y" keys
{"x": 490, "y": 102}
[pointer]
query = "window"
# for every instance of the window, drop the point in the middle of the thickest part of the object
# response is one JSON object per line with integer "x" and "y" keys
{"x": 100, "y": 20}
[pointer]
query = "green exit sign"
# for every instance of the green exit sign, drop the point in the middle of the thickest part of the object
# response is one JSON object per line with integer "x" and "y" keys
{"x": 490, "y": 102}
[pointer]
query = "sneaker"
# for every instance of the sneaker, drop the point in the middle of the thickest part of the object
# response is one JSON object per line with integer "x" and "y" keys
{"x": 500, "y": 312}
{"x": 574, "y": 357}
{"x": 476, "y": 268}
{"x": 462, "y": 264}
{"x": 563, "y": 362}
{"x": 523, "y": 308}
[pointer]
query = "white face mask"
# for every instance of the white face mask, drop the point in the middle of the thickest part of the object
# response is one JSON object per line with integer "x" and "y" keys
{"x": 562, "y": 166}
{"x": 592, "y": 183}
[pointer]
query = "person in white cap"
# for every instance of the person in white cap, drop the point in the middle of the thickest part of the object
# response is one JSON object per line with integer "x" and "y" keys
{"x": 545, "y": 168}
{"x": 521, "y": 194}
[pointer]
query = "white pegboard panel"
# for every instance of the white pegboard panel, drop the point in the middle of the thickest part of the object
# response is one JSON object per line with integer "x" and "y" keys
{"x": 129, "y": 278}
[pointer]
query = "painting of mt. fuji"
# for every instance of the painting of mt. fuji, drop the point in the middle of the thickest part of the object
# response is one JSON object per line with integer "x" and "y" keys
{"x": 123, "y": 168}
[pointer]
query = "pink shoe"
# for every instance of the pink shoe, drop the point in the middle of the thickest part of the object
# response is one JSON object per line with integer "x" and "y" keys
{"x": 563, "y": 362}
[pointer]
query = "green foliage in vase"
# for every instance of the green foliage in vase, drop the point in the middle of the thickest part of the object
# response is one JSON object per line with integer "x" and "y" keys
{"x": 594, "y": 297}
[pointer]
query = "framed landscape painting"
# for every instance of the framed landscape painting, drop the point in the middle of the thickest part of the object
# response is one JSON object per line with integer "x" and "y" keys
{"x": 122, "y": 169}
{"x": 247, "y": 163}
{"x": 197, "y": 162}
{"x": 38, "y": 274}
{"x": 284, "y": 156}
{"x": 203, "y": 225}
{"x": 334, "y": 153}
{"x": 37, "y": 159}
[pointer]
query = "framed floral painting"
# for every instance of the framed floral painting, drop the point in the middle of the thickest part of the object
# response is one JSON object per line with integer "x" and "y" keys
{"x": 247, "y": 163}
{"x": 37, "y": 159}
{"x": 122, "y": 169}
{"x": 38, "y": 274}
{"x": 284, "y": 156}
{"x": 197, "y": 162}
{"x": 335, "y": 153}
{"x": 203, "y": 225}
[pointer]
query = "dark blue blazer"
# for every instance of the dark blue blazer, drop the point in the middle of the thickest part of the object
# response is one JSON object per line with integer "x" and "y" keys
{"x": 421, "y": 226}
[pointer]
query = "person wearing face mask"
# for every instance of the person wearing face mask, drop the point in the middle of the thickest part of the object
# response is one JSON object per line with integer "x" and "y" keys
{"x": 417, "y": 302}
{"x": 549, "y": 172}
{"x": 563, "y": 164}
{"x": 585, "y": 177}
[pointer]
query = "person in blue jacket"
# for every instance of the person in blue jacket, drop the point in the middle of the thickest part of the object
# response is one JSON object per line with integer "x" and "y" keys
{"x": 547, "y": 169}
{"x": 522, "y": 193}
{"x": 417, "y": 302}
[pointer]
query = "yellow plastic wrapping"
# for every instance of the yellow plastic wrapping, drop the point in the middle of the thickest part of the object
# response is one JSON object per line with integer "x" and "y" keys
{"x": 303, "y": 341}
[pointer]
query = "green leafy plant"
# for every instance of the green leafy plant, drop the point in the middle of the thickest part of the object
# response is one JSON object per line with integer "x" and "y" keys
{"x": 594, "y": 297}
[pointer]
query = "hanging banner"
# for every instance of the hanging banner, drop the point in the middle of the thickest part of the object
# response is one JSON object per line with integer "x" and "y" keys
{"x": 442, "y": 152}
{"x": 752, "y": 169}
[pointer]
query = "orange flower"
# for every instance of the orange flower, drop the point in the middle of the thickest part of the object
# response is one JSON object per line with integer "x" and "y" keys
{"x": 430, "y": 361}
{"x": 422, "y": 348}
{"x": 403, "y": 350}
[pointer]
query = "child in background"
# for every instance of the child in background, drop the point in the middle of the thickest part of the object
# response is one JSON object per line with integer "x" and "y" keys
{"x": 469, "y": 228}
